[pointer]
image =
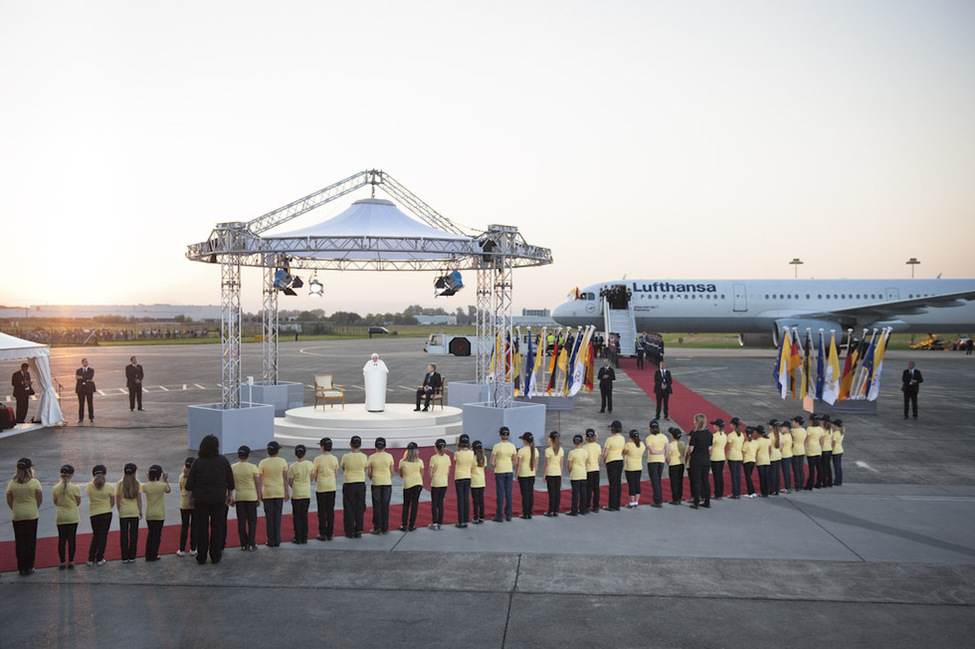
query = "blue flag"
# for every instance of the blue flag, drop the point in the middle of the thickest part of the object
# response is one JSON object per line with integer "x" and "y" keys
{"x": 530, "y": 369}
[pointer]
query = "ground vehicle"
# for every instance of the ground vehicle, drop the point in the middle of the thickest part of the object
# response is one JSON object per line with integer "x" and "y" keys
{"x": 377, "y": 330}
{"x": 442, "y": 343}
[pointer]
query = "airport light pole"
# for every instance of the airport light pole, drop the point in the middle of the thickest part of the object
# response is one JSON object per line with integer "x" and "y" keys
{"x": 796, "y": 262}
{"x": 912, "y": 262}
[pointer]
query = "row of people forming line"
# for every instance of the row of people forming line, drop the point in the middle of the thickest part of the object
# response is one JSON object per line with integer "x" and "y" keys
{"x": 209, "y": 486}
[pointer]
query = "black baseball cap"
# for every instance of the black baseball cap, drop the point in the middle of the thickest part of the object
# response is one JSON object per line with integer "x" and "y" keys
{"x": 243, "y": 451}
{"x": 837, "y": 422}
{"x": 477, "y": 444}
{"x": 577, "y": 439}
{"x": 654, "y": 425}
{"x": 734, "y": 420}
{"x": 675, "y": 432}
{"x": 590, "y": 432}
{"x": 719, "y": 422}
{"x": 616, "y": 425}
{"x": 528, "y": 437}
{"x": 554, "y": 435}
{"x": 440, "y": 443}
{"x": 634, "y": 434}
{"x": 326, "y": 443}
{"x": 411, "y": 446}
{"x": 188, "y": 461}
{"x": 155, "y": 469}
{"x": 24, "y": 463}
{"x": 504, "y": 431}
{"x": 799, "y": 420}
{"x": 68, "y": 469}
{"x": 773, "y": 422}
{"x": 273, "y": 446}
{"x": 380, "y": 442}
{"x": 300, "y": 450}
{"x": 98, "y": 469}
{"x": 464, "y": 438}
{"x": 130, "y": 468}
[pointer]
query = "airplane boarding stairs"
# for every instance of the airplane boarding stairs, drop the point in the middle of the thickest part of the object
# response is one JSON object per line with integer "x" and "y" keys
{"x": 622, "y": 322}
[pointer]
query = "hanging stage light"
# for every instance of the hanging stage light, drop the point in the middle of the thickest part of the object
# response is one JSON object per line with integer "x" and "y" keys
{"x": 315, "y": 287}
{"x": 286, "y": 282}
{"x": 448, "y": 284}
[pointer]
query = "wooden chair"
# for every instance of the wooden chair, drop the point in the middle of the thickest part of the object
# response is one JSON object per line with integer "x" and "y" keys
{"x": 325, "y": 390}
{"x": 438, "y": 393}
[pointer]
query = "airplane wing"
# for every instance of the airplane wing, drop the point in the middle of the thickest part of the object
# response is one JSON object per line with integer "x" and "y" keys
{"x": 913, "y": 306}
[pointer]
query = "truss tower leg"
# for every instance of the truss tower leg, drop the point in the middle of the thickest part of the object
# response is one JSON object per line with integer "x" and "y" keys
{"x": 230, "y": 330}
{"x": 269, "y": 337}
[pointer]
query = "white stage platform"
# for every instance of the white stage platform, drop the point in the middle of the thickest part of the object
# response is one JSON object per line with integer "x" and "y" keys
{"x": 398, "y": 423}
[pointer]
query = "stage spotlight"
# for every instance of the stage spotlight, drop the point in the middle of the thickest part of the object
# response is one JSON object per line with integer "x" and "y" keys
{"x": 285, "y": 281}
{"x": 448, "y": 284}
{"x": 315, "y": 287}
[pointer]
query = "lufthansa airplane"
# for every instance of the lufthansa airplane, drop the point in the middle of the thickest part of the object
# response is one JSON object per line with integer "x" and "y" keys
{"x": 758, "y": 310}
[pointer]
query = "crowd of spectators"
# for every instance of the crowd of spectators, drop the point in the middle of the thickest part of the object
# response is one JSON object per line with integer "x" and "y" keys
{"x": 80, "y": 336}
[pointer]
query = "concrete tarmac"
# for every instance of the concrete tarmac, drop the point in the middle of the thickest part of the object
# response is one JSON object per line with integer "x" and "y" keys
{"x": 886, "y": 560}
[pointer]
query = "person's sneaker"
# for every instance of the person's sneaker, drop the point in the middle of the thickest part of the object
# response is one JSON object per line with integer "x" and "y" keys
{"x": 90, "y": 564}
{"x": 192, "y": 553}
{"x": 180, "y": 553}
{"x": 102, "y": 562}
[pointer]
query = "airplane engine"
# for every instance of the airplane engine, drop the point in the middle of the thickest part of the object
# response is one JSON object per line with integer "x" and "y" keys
{"x": 756, "y": 340}
{"x": 801, "y": 325}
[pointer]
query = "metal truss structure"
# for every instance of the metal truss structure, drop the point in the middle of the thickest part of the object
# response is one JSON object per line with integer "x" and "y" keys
{"x": 492, "y": 254}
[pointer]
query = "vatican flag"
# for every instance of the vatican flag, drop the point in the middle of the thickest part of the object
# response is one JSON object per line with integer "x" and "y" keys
{"x": 831, "y": 387}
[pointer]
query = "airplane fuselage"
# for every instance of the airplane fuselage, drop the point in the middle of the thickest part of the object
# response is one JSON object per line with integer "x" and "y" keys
{"x": 759, "y": 306}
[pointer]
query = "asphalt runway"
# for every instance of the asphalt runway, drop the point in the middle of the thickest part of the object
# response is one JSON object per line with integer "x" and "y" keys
{"x": 886, "y": 560}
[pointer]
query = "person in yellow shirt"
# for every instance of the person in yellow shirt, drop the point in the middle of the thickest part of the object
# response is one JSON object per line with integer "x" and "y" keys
{"x": 748, "y": 449}
{"x": 326, "y": 465}
{"x": 273, "y": 480}
{"x": 826, "y": 460}
{"x": 101, "y": 502}
{"x": 798, "y": 452}
{"x": 838, "y": 433}
{"x": 785, "y": 448}
{"x": 411, "y": 471}
{"x": 128, "y": 499}
{"x": 439, "y": 477}
{"x": 814, "y": 453}
{"x": 477, "y": 481}
{"x": 613, "y": 459}
{"x": 299, "y": 479}
{"x": 675, "y": 465}
{"x": 66, "y": 497}
{"x": 775, "y": 458}
{"x": 526, "y": 464}
{"x": 762, "y": 459}
{"x": 578, "y": 458}
{"x": 718, "y": 441}
{"x": 502, "y": 456}
{"x": 554, "y": 457}
{"x": 185, "y": 512}
{"x": 24, "y": 497}
{"x": 733, "y": 450}
{"x": 633, "y": 452}
{"x": 593, "y": 453}
{"x": 379, "y": 469}
{"x": 247, "y": 498}
{"x": 354, "y": 489}
{"x": 657, "y": 448}
{"x": 155, "y": 509}
{"x": 463, "y": 466}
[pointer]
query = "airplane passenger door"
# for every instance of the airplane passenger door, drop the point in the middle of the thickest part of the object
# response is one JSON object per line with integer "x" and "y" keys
{"x": 893, "y": 294}
{"x": 741, "y": 302}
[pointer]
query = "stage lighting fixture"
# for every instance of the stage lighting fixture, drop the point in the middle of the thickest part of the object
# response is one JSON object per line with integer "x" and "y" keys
{"x": 448, "y": 284}
{"x": 315, "y": 287}
{"x": 285, "y": 281}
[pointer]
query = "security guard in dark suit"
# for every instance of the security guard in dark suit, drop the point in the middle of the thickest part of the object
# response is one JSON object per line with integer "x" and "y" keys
{"x": 911, "y": 380}
{"x": 84, "y": 387}
{"x": 21, "y": 383}
{"x": 606, "y": 377}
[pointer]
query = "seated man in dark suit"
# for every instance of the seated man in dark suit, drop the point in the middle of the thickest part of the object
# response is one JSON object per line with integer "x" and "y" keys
{"x": 431, "y": 382}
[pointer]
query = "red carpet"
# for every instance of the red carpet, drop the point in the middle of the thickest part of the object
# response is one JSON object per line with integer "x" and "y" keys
{"x": 684, "y": 404}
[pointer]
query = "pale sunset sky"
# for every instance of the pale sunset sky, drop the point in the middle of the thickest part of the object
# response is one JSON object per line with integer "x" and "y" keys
{"x": 653, "y": 139}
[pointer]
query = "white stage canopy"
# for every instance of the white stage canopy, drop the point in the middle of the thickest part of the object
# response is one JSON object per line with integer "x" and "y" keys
{"x": 39, "y": 358}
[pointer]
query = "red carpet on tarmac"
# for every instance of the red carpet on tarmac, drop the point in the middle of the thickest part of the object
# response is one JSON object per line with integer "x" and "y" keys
{"x": 684, "y": 404}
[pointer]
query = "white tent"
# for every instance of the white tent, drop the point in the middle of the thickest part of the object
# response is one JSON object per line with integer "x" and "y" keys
{"x": 39, "y": 357}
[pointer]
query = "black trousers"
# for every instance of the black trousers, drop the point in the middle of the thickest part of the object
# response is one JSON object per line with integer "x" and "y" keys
{"x": 579, "y": 497}
{"x": 815, "y": 478}
{"x": 463, "y": 488}
{"x": 272, "y": 522}
{"x": 135, "y": 396}
{"x": 773, "y": 476}
{"x": 655, "y": 470}
{"x": 526, "y": 486}
{"x": 734, "y": 469}
{"x": 799, "y": 470}
{"x": 763, "y": 471}
{"x": 663, "y": 400}
{"x": 592, "y": 490}
{"x": 826, "y": 468}
{"x": 614, "y": 475}
{"x": 437, "y": 495}
{"x": 426, "y": 395}
{"x": 326, "y": 513}
{"x": 67, "y": 539}
{"x": 210, "y": 530}
{"x": 23, "y": 403}
{"x": 411, "y": 502}
{"x": 153, "y": 539}
{"x": 128, "y": 536}
{"x": 186, "y": 529}
{"x": 606, "y": 399}
{"x": 633, "y": 483}
{"x": 99, "y": 536}
{"x": 381, "y": 495}
{"x": 477, "y": 497}
{"x": 717, "y": 475}
{"x": 838, "y": 469}
{"x": 554, "y": 485}
{"x": 25, "y": 543}
{"x": 83, "y": 398}
{"x": 247, "y": 523}
{"x": 787, "y": 473}
{"x": 700, "y": 489}
{"x": 676, "y": 472}
{"x": 639, "y": 361}
{"x": 749, "y": 467}
{"x": 299, "y": 517}
{"x": 353, "y": 507}
{"x": 910, "y": 401}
